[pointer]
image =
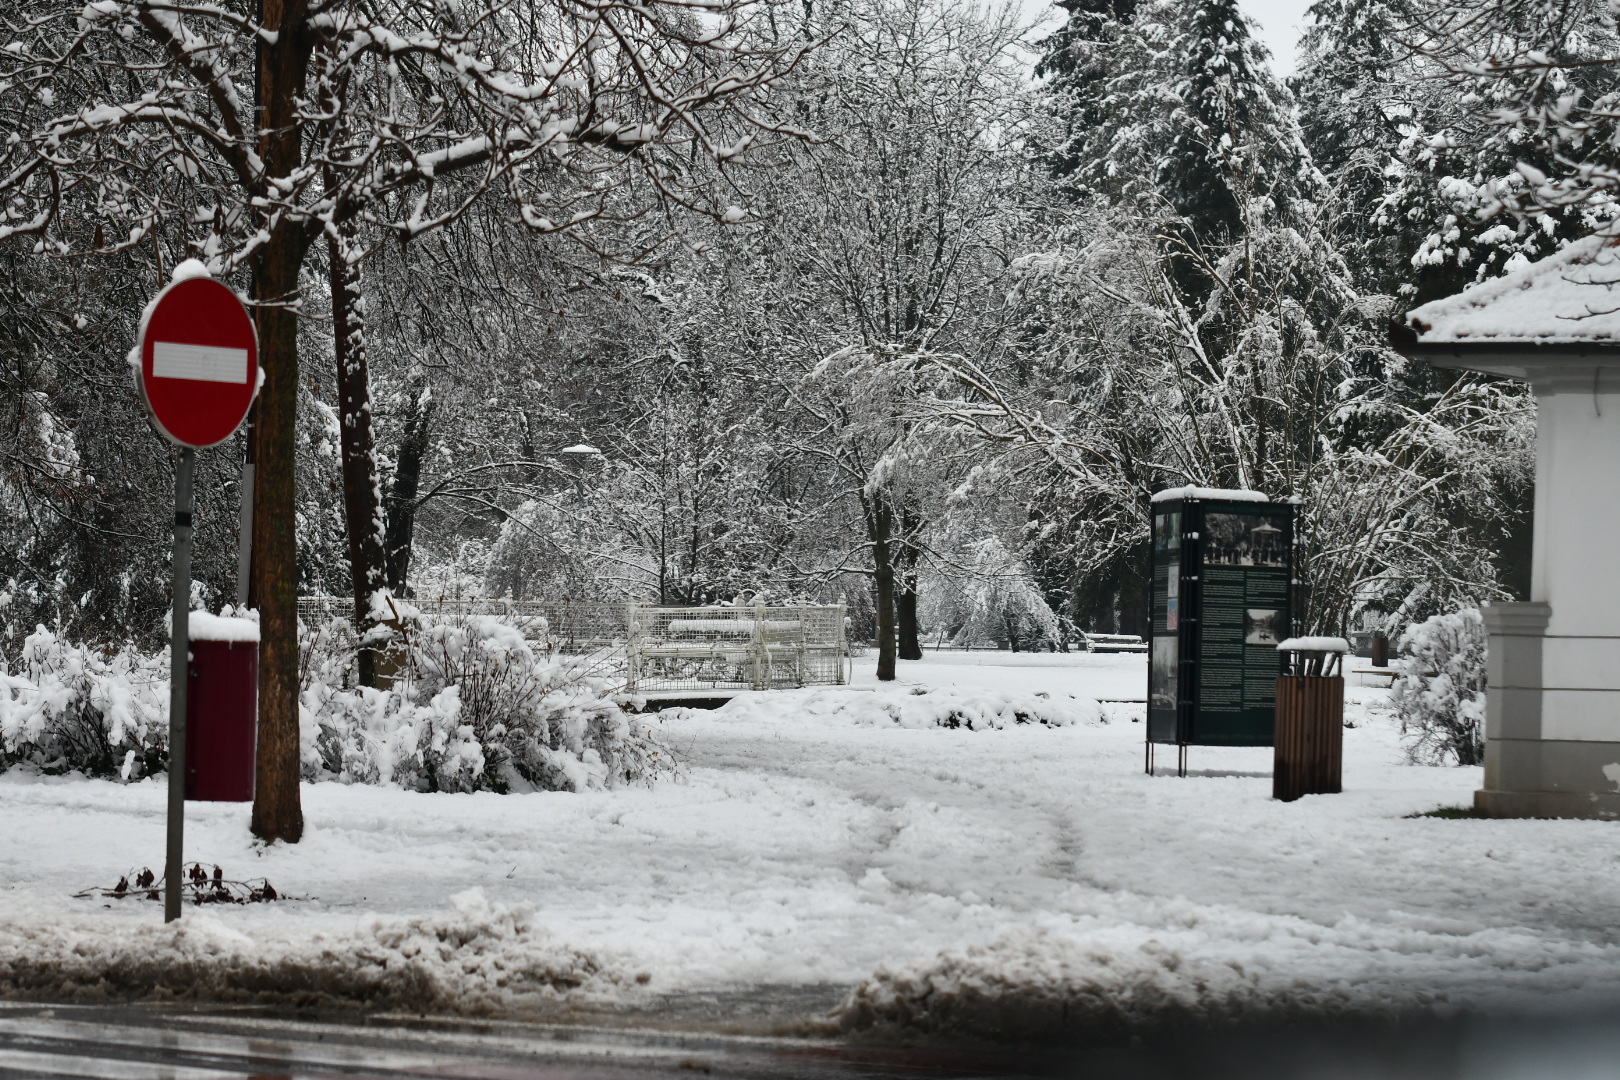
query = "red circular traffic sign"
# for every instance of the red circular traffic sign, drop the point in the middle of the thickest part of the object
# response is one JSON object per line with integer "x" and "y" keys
{"x": 199, "y": 362}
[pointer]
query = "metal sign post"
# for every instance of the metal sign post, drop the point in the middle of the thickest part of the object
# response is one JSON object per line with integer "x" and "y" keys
{"x": 197, "y": 371}
{"x": 179, "y": 675}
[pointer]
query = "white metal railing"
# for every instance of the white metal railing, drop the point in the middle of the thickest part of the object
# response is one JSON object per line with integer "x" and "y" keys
{"x": 644, "y": 648}
{"x": 744, "y": 648}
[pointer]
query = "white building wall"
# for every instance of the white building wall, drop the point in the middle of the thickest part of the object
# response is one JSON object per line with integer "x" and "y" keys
{"x": 1576, "y": 561}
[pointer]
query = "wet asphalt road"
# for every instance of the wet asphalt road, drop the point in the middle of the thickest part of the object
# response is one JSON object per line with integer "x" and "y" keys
{"x": 153, "y": 1042}
{"x": 171, "y": 1042}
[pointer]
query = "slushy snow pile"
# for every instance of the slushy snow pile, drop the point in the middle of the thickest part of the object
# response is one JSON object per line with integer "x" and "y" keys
{"x": 1137, "y": 962}
{"x": 477, "y": 956}
{"x": 1021, "y": 880}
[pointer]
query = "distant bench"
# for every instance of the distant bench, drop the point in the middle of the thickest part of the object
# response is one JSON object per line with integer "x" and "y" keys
{"x": 1386, "y": 672}
{"x": 1113, "y": 643}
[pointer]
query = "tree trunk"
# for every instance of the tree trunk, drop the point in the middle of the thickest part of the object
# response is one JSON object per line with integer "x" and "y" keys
{"x": 277, "y": 811}
{"x": 880, "y": 524}
{"x": 402, "y": 492}
{"x": 905, "y": 603}
{"x": 362, "y": 495}
{"x": 905, "y": 561}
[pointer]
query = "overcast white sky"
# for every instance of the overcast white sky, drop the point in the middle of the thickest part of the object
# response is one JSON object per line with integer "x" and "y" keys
{"x": 1281, "y": 22}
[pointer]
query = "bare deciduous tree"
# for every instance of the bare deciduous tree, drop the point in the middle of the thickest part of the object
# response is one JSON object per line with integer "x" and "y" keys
{"x": 256, "y": 136}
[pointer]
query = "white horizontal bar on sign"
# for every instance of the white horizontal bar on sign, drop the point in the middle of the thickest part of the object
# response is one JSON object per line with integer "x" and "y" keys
{"x": 203, "y": 363}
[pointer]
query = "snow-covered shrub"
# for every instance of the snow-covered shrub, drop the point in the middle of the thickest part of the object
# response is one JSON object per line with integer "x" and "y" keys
{"x": 994, "y": 603}
{"x": 475, "y": 709}
{"x": 326, "y": 651}
{"x": 924, "y": 707}
{"x": 1439, "y": 688}
{"x": 71, "y": 707}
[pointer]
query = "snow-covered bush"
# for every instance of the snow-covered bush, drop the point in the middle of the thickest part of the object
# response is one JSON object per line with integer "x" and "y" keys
{"x": 925, "y": 707}
{"x": 474, "y": 709}
{"x": 1439, "y": 688}
{"x": 70, "y": 707}
{"x": 994, "y": 603}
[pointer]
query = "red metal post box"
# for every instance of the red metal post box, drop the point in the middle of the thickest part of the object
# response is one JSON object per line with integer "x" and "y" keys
{"x": 222, "y": 709}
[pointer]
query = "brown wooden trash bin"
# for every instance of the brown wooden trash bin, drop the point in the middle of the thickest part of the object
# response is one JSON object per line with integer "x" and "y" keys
{"x": 1309, "y": 734}
{"x": 1310, "y": 737}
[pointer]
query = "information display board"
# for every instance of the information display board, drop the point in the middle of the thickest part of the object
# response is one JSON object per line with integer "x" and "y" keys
{"x": 1222, "y": 574}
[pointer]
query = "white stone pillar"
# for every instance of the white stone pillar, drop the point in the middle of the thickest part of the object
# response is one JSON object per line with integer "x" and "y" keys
{"x": 1553, "y": 712}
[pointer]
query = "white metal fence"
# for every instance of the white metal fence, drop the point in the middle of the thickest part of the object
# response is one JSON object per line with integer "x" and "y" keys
{"x": 648, "y": 649}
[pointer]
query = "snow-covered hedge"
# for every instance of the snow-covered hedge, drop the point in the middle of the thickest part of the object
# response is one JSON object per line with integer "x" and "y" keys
{"x": 922, "y": 707}
{"x": 69, "y": 706}
{"x": 475, "y": 709}
{"x": 1439, "y": 688}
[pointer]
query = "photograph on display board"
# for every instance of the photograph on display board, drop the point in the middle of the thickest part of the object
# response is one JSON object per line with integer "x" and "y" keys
{"x": 1163, "y": 673}
{"x": 1243, "y": 540}
{"x": 1264, "y": 626}
{"x": 1167, "y": 531}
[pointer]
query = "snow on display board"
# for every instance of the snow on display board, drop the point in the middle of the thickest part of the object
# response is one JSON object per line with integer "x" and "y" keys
{"x": 1221, "y": 575}
{"x": 1222, "y": 494}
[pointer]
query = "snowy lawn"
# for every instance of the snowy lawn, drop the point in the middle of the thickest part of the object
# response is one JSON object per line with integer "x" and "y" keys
{"x": 1008, "y": 879}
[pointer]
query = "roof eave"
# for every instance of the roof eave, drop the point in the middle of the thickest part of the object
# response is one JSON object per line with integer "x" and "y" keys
{"x": 1510, "y": 359}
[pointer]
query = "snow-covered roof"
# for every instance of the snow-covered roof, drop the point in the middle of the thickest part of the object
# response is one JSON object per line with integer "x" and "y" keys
{"x": 1223, "y": 494}
{"x": 1569, "y": 298}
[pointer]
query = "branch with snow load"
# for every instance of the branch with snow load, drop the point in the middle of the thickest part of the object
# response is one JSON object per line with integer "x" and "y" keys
{"x": 405, "y": 117}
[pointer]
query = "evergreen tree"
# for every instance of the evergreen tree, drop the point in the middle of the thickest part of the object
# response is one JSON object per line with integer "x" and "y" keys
{"x": 1393, "y": 106}
{"x": 1076, "y": 62}
{"x": 1171, "y": 108}
{"x": 1231, "y": 137}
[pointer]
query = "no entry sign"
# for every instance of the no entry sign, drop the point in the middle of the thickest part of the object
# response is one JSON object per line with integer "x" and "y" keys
{"x": 199, "y": 362}
{"x": 198, "y": 373}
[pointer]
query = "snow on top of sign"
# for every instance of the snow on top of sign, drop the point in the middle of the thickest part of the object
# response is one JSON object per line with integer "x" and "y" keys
{"x": 190, "y": 268}
{"x": 1570, "y": 297}
{"x": 1314, "y": 644}
{"x": 1225, "y": 494}
{"x": 206, "y": 627}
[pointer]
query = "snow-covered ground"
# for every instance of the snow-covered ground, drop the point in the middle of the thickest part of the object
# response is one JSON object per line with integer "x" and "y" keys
{"x": 998, "y": 879}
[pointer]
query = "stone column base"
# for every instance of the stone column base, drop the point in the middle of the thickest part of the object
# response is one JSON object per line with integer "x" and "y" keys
{"x": 1581, "y": 777}
{"x": 1547, "y": 804}
{"x": 1561, "y": 778}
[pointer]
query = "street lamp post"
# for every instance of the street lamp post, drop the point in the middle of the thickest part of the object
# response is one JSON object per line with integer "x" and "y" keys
{"x": 578, "y": 456}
